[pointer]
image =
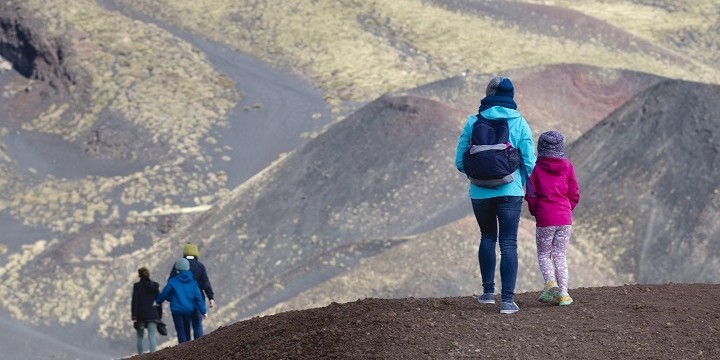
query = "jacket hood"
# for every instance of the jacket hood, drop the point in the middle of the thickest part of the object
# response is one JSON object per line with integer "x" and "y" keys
{"x": 500, "y": 112}
{"x": 554, "y": 166}
{"x": 185, "y": 276}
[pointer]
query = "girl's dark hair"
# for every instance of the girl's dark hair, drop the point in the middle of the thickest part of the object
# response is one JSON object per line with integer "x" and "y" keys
{"x": 143, "y": 272}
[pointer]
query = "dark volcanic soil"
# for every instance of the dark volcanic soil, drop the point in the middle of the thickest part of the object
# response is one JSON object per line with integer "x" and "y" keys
{"x": 673, "y": 321}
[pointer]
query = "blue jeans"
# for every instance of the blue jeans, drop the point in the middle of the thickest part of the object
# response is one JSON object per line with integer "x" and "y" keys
{"x": 182, "y": 326}
{"x": 185, "y": 323}
{"x": 151, "y": 330}
{"x": 196, "y": 323}
{"x": 498, "y": 219}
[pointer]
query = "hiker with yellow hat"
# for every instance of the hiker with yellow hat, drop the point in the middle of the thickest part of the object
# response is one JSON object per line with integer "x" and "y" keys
{"x": 191, "y": 253}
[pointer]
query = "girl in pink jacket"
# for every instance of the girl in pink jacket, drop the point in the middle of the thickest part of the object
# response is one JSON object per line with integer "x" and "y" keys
{"x": 552, "y": 195}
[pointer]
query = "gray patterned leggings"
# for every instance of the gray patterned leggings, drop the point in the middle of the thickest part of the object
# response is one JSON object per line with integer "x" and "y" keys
{"x": 552, "y": 243}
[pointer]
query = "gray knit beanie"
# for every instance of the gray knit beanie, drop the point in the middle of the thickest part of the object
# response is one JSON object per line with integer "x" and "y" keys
{"x": 182, "y": 264}
{"x": 551, "y": 144}
{"x": 500, "y": 86}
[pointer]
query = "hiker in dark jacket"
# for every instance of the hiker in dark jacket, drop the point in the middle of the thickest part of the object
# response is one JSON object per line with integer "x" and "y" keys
{"x": 185, "y": 299}
{"x": 191, "y": 253}
{"x": 144, "y": 314}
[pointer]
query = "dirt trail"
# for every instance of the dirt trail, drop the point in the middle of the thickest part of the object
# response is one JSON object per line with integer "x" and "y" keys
{"x": 277, "y": 107}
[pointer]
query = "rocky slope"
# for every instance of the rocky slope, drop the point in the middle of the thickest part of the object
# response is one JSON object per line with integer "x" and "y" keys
{"x": 648, "y": 174}
{"x": 124, "y": 122}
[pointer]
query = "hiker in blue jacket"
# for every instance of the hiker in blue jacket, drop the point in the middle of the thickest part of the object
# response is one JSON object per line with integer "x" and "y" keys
{"x": 185, "y": 299}
{"x": 497, "y": 210}
{"x": 191, "y": 253}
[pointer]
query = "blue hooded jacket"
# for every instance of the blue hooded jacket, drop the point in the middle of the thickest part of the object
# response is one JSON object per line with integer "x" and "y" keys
{"x": 520, "y": 138}
{"x": 184, "y": 295}
{"x": 200, "y": 275}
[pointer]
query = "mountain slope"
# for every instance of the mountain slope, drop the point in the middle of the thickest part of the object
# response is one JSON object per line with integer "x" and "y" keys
{"x": 571, "y": 98}
{"x": 381, "y": 173}
{"x": 659, "y": 229}
{"x": 382, "y": 178}
{"x": 312, "y": 205}
{"x": 125, "y": 129}
{"x": 687, "y": 26}
{"x": 648, "y": 175}
{"x": 360, "y": 50}
{"x": 441, "y": 263}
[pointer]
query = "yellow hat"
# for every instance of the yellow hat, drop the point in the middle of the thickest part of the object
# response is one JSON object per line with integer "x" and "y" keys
{"x": 191, "y": 250}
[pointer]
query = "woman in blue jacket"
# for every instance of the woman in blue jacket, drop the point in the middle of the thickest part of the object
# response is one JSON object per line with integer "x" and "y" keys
{"x": 184, "y": 295}
{"x": 497, "y": 210}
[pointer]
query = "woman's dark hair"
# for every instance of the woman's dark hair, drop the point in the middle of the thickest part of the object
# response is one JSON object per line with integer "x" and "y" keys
{"x": 143, "y": 272}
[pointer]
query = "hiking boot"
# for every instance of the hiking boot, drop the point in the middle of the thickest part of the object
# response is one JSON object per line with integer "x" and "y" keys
{"x": 508, "y": 307}
{"x": 549, "y": 292}
{"x": 486, "y": 299}
{"x": 564, "y": 299}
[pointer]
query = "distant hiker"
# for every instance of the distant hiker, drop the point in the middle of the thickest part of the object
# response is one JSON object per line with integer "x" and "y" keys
{"x": 497, "y": 209}
{"x": 144, "y": 314}
{"x": 191, "y": 253}
{"x": 553, "y": 193}
{"x": 185, "y": 299}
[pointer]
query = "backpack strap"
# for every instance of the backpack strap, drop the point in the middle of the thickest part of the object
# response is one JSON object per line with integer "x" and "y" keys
{"x": 479, "y": 148}
{"x": 523, "y": 171}
{"x": 492, "y": 183}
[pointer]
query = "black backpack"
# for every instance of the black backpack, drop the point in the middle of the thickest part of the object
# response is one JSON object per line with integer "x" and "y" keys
{"x": 491, "y": 160}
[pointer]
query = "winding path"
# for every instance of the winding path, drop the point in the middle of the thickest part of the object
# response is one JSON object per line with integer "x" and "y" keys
{"x": 257, "y": 136}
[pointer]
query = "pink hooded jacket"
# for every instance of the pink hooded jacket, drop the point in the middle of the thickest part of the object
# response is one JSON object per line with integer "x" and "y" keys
{"x": 552, "y": 192}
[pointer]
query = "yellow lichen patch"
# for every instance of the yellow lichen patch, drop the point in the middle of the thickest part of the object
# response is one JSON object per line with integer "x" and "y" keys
{"x": 158, "y": 82}
{"x": 360, "y": 50}
{"x": 67, "y": 205}
{"x": 101, "y": 248}
{"x": 16, "y": 261}
{"x": 648, "y": 21}
{"x": 141, "y": 72}
{"x": 661, "y": 23}
{"x": 60, "y": 205}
